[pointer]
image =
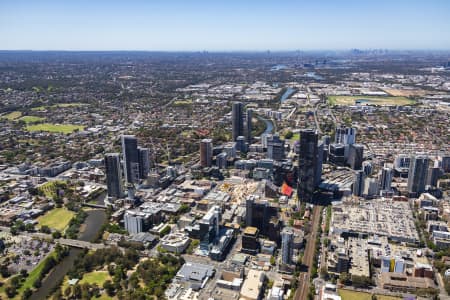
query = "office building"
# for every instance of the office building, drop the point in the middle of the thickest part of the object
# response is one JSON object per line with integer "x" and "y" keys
{"x": 250, "y": 241}
{"x": 337, "y": 154}
{"x": 287, "y": 245}
{"x": 144, "y": 162}
{"x": 308, "y": 165}
{"x": 433, "y": 176}
{"x": 113, "y": 175}
{"x": 371, "y": 187}
{"x": 206, "y": 153}
{"x": 253, "y": 286}
{"x": 275, "y": 148}
{"x": 355, "y": 156}
{"x": 131, "y": 158}
{"x": 367, "y": 168}
{"x": 240, "y": 144}
{"x": 358, "y": 184}
{"x": 221, "y": 160}
{"x": 237, "y": 120}
{"x": 386, "y": 179}
{"x": 249, "y": 125}
{"x": 345, "y": 135}
{"x": 417, "y": 175}
{"x": 260, "y": 214}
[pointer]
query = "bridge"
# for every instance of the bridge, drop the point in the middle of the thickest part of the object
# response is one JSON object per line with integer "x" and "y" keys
{"x": 93, "y": 205}
{"x": 80, "y": 244}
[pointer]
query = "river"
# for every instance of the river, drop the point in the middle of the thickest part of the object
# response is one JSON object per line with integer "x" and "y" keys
{"x": 269, "y": 125}
{"x": 289, "y": 91}
{"x": 93, "y": 223}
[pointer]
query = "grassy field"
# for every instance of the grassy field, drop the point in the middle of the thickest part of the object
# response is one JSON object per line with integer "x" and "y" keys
{"x": 12, "y": 115}
{"x": 98, "y": 277}
{"x": 57, "y": 105}
{"x": 31, "y": 119}
{"x": 57, "y": 218}
{"x": 373, "y": 100}
{"x": 352, "y": 295}
{"x": 61, "y": 128}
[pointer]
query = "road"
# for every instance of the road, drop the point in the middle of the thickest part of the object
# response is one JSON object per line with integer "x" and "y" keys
{"x": 302, "y": 291}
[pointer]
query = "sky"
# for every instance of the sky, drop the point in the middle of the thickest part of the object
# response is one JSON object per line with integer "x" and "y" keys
{"x": 227, "y": 25}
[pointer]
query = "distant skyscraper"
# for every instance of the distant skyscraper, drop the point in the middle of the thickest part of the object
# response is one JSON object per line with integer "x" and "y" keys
{"x": 275, "y": 148}
{"x": 237, "y": 120}
{"x": 287, "y": 245}
{"x": 113, "y": 175}
{"x": 308, "y": 164}
{"x": 249, "y": 125}
{"x": 386, "y": 179}
{"x": 206, "y": 153}
{"x": 358, "y": 183}
{"x": 355, "y": 156}
{"x": 144, "y": 162}
{"x": 417, "y": 175}
{"x": 131, "y": 158}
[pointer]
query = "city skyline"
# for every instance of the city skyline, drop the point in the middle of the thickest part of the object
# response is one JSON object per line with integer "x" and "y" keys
{"x": 230, "y": 26}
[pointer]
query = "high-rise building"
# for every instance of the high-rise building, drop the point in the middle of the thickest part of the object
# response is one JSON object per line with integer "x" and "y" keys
{"x": 386, "y": 179}
{"x": 433, "y": 176}
{"x": 308, "y": 165}
{"x": 337, "y": 154}
{"x": 371, "y": 188}
{"x": 287, "y": 247}
{"x": 240, "y": 144}
{"x": 345, "y": 135}
{"x": 249, "y": 125}
{"x": 358, "y": 183}
{"x": 237, "y": 120}
{"x": 113, "y": 175}
{"x": 221, "y": 160}
{"x": 417, "y": 175}
{"x": 131, "y": 158}
{"x": 206, "y": 153}
{"x": 367, "y": 167}
{"x": 275, "y": 148}
{"x": 355, "y": 156}
{"x": 259, "y": 214}
{"x": 144, "y": 162}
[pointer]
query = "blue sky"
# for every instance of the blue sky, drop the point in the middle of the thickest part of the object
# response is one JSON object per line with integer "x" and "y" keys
{"x": 223, "y": 25}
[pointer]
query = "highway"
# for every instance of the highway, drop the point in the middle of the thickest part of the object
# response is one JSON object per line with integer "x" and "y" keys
{"x": 304, "y": 278}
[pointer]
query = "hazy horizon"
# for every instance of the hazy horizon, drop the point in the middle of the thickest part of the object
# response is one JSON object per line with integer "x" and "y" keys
{"x": 231, "y": 26}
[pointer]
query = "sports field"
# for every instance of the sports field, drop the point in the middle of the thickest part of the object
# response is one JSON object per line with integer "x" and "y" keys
{"x": 60, "y": 128}
{"x": 370, "y": 100}
{"x": 57, "y": 105}
{"x": 95, "y": 277}
{"x": 57, "y": 218}
{"x": 31, "y": 119}
{"x": 12, "y": 115}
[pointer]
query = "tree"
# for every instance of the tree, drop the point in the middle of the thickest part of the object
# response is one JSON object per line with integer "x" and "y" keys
{"x": 45, "y": 229}
{"x": 109, "y": 288}
{"x": 37, "y": 283}
{"x": 27, "y": 293}
{"x": 56, "y": 235}
{"x": 289, "y": 135}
